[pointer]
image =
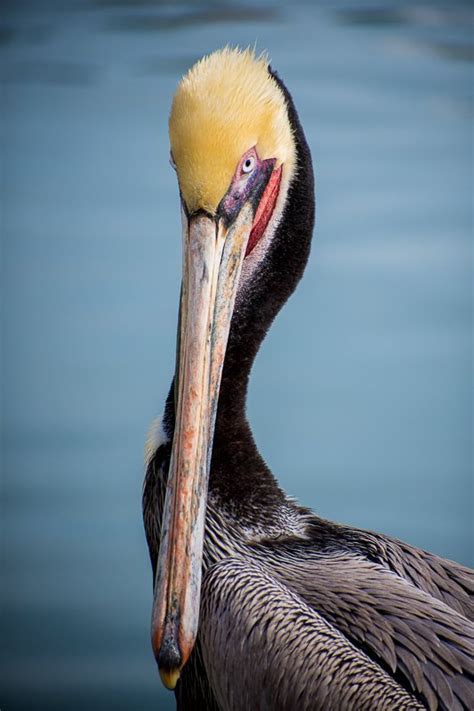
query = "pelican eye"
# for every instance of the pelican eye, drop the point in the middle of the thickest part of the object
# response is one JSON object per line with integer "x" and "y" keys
{"x": 248, "y": 165}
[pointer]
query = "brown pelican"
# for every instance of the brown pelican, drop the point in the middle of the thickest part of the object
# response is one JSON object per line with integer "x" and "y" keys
{"x": 259, "y": 603}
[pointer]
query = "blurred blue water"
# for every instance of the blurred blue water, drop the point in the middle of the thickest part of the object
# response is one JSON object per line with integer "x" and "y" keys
{"x": 361, "y": 399}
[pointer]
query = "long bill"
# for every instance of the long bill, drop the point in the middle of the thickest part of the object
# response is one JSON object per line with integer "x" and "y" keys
{"x": 212, "y": 261}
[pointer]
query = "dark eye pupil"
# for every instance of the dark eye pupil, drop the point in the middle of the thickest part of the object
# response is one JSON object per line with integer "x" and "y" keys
{"x": 248, "y": 163}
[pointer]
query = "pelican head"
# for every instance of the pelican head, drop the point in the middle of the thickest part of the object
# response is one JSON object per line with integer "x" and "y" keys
{"x": 233, "y": 149}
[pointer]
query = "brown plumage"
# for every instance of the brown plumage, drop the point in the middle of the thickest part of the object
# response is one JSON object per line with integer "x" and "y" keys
{"x": 297, "y": 612}
{"x": 337, "y": 618}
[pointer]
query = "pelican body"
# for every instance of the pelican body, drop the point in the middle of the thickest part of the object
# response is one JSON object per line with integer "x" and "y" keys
{"x": 258, "y": 603}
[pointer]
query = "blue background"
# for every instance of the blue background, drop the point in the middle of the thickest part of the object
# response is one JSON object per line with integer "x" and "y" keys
{"x": 361, "y": 398}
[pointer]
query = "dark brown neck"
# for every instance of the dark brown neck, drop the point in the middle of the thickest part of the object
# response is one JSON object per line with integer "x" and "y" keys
{"x": 238, "y": 472}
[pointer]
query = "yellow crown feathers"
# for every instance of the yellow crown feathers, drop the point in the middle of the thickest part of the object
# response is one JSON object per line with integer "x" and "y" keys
{"x": 227, "y": 103}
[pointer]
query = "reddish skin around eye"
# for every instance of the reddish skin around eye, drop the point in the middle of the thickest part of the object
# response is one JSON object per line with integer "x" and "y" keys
{"x": 265, "y": 209}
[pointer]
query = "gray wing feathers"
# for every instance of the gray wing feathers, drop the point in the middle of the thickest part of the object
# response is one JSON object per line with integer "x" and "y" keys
{"x": 330, "y": 631}
{"x": 412, "y": 634}
{"x": 265, "y": 648}
{"x": 445, "y": 580}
